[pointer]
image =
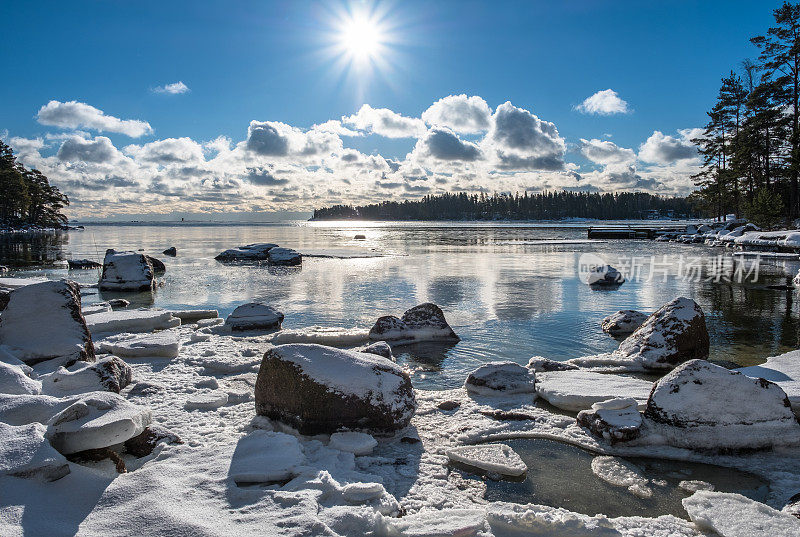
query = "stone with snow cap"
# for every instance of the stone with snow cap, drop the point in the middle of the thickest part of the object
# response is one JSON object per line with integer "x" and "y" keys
{"x": 163, "y": 344}
{"x": 605, "y": 276}
{"x": 265, "y": 457}
{"x": 131, "y": 321}
{"x": 319, "y": 389}
{"x": 615, "y": 420}
{"x": 497, "y": 378}
{"x": 543, "y": 365}
{"x": 425, "y": 322}
{"x": 249, "y": 252}
{"x": 254, "y": 316}
{"x": 285, "y": 257}
{"x": 381, "y": 348}
{"x": 43, "y": 321}
{"x": 109, "y": 373}
{"x": 623, "y": 322}
{"x": 24, "y": 452}
{"x": 700, "y": 405}
{"x": 126, "y": 271}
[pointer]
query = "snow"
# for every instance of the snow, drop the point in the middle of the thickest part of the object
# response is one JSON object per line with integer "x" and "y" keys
{"x": 332, "y": 336}
{"x": 23, "y": 409}
{"x": 439, "y": 523}
{"x": 501, "y": 377}
{"x": 165, "y": 343}
{"x": 126, "y": 271}
{"x": 24, "y": 452}
{"x": 621, "y": 473}
{"x": 353, "y": 442}
{"x": 13, "y": 380}
{"x": 206, "y": 400}
{"x": 496, "y": 458}
{"x": 733, "y": 515}
{"x": 254, "y": 316}
{"x": 266, "y": 456}
{"x": 579, "y": 389}
{"x": 16, "y": 283}
{"x": 131, "y": 321}
{"x": 623, "y": 322}
{"x": 98, "y": 419}
{"x": 783, "y": 370}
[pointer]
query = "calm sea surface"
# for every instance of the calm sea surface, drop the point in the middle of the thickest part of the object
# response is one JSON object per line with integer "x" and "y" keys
{"x": 510, "y": 291}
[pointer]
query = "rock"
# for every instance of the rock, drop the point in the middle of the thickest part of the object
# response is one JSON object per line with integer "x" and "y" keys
{"x": 79, "y": 264}
{"x": 158, "y": 266}
{"x": 623, "y": 322}
{"x": 579, "y": 390}
{"x": 496, "y": 458}
{"x": 381, "y": 348}
{"x": 360, "y": 237}
{"x": 5, "y": 296}
{"x": 615, "y": 420}
{"x": 106, "y": 374}
{"x": 171, "y": 251}
{"x": 425, "y": 322}
{"x": 792, "y": 507}
{"x": 699, "y": 405}
{"x": 783, "y": 370}
{"x": 284, "y": 257}
{"x": 319, "y": 389}
{"x": 447, "y": 406}
{"x": 353, "y": 442}
{"x": 96, "y": 420}
{"x": 24, "y": 452}
{"x": 43, "y": 321}
{"x": 118, "y": 303}
{"x": 254, "y": 316}
{"x": 162, "y": 344}
{"x": 98, "y": 307}
{"x": 97, "y": 455}
{"x": 143, "y": 444}
{"x": 266, "y": 457}
{"x": 13, "y": 380}
{"x": 501, "y": 378}
{"x": 605, "y": 276}
{"x": 251, "y": 252}
{"x": 24, "y": 409}
{"x": 541, "y": 365}
{"x": 127, "y": 271}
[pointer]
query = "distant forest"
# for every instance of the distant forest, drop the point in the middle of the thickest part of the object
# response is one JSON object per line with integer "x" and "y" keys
{"x": 540, "y": 206}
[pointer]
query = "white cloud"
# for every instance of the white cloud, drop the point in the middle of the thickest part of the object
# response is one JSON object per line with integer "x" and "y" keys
{"x": 662, "y": 149}
{"x": 468, "y": 115}
{"x": 604, "y": 103}
{"x": 100, "y": 150}
{"x": 606, "y": 152}
{"x": 276, "y": 139}
{"x": 385, "y": 122}
{"x": 442, "y": 143}
{"x": 167, "y": 151}
{"x": 335, "y": 127}
{"x": 522, "y": 141}
{"x": 74, "y": 115}
{"x": 176, "y": 88}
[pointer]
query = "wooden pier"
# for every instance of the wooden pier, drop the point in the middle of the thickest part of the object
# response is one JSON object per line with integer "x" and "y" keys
{"x": 632, "y": 232}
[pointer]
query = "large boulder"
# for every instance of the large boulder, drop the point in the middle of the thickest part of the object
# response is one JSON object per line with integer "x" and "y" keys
{"x": 250, "y": 252}
{"x": 127, "y": 271}
{"x": 319, "y": 389}
{"x": 43, "y": 321}
{"x": 501, "y": 378}
{"x": 106, "y": 374}
{"x": 254, "y": 316}
{"x": 425, "y": 322}
{"x": 284, "y": 257}
{"x": 700, "y": 405}
{"x": 24, "y": 452}
{"x": 158, "y": 266}
{"x": 96, "y": 420}
{"x": 675, "y": 333}
{"x": 623, "y": 322}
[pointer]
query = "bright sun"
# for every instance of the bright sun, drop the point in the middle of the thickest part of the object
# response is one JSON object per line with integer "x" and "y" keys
{"x": 361, "y": 38}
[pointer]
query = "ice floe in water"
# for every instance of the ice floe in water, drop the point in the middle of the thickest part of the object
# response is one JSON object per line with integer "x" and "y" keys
{"x": 322, "y": 335}
{"x": 495, "y": 458}
{"x": 621, "y": 473}
{"x": 733, "y": 515}
{"x": 578, "y": 389}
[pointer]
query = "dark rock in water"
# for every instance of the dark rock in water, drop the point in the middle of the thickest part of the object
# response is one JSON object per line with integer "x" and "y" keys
{"x": 447, "y": 406}
{"x": 158, "y": 266}
{"x": 284, "y": 257}
{"x": 77, "y": 264}
{"x": 539, "y": 364}
{"x": 126, "y": 271}
{"x": 43, "y": 321}
{"x": 381, "y": 348}
{"x": 254, "y": 316}
{"x": 250, "y": 252}
{"x": 360, "y": 237}
{"x": 3, "y": 269}
{"x": 171, "y": 251}
{"x": 5, "y": 296}
{"x": 425, "y": 322}
{"x": 319, "y": 389}
{"x": 119, "y": 303}
{"x": 615, "y": 420}
{"x": 144, "y": 444}
{"x": 623, "y": 322}
{"x": 605, "y": 276}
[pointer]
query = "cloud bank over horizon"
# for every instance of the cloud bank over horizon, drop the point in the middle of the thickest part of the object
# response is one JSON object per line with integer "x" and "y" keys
{"x": 459, "y": 144}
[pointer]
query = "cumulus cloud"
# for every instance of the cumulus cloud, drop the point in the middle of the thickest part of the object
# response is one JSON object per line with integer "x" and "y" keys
{"x": 75, "y": 115}
{"x": 263, "y": 176}
{"x": 385, "y": 122}
{"x": 167, "y": 151}
{"x": 176, "y": 88}
{"x": 604, "y": 103}
{"x": 276, "y": 139}
{"x": 335, "y": 127}
{"x": 520, "y": 140}
{"x": 468, "y": 115}
{"x": 662, "y": 149}
{"x": 100, "y": 150}
{"x": 606, "y": 152}
{"x": 443, "y": 144}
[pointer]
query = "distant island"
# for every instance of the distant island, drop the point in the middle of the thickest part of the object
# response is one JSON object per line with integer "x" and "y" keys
{"x": 539, "y": 206}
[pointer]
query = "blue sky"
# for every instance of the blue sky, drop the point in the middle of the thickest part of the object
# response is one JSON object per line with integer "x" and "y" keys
{"x": 282, "y": 62}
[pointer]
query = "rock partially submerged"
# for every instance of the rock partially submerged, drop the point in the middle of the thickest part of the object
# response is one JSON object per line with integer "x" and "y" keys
{"x": 425, "y": 322}
{"x": 127, "y": 271}
{"x": 495, "y": 458}
{"x": 250, "y": 252}
{"x": 81, "y": 264}
{"x": 381, "y": 348}
{"x": 501, "y": 378}
{"x": 24, "y": 452}
{"x": 615, "y": 420}
{"x": 319, "y": 389}
{"x": 43, "y": 321}
{"x": 171, "y": 251}
{"x": 699, "y": 405}
{"x": 543, "y": 365}
{"x": 254, "y": 316}
{"x": 623, "y": 322}
{"x": 158, "y": 266}
{"x": 605, "y": 276}
{"x": 106, "y": 374}
{"x": 580, "y": 389}
{"x": 284, "y": 257}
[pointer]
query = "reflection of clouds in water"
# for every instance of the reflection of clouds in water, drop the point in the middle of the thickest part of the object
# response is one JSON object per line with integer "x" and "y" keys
{"x": 450, "y": 291}
{"x": 525, "y": 297}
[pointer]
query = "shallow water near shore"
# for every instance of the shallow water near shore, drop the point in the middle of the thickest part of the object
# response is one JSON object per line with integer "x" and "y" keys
{"x": 511, "y": 291}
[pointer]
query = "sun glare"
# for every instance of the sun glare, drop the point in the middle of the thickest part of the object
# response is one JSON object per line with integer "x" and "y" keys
{"x": 361, "y": 38}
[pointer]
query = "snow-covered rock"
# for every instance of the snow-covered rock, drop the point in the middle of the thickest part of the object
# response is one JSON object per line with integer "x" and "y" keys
{"x": 44, "y": 322}
{"x": 23, "y": 409}
{"x": 285, "y": 257}
{"x": 440, "y": 523}
{"x": 500, "y": 378}
{"x": 250, "y": 252}
{"x": 254, "y": 316}
{"x": 106, "y": 374}
{"x": 319, "y": 389}
{"x": 425, "y": 322}
{"x": 24, "y": 452}
{"x": 131, "y": 321}
{"x": 734, "y": 515}
{"x": 577, "y": 390}
{"x": 615, "y": 420}
{"x": 193, "y": 316}
{"x": 13, "y": 380}
{"x": 783, "y": 370}
{"x": 621, "y": 473}
{"x": 266, "y": 456}
{"x": 96, "y": 420}
{"x": 623, "y": 322}
{"x": 171, "y": 251}
{"x": 495, "y": 458}
{"x": 700, "y": 405}
{"x": 604, "y": 276}
{"x": 353, "y": 442}
{"x": 381, "y": 348}
{"x": 126, "y": 271}
{"x": 543, "y": 365}
{"x": 321, "y": 335}
{"x": 163, "y": 344}
{"x": 119, "y": 303}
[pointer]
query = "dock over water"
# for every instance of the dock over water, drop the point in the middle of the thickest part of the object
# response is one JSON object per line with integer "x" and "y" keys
{"x": 642, "y": 231}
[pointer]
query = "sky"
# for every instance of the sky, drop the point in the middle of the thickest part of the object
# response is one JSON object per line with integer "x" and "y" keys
{"x": 215, "y": 109}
